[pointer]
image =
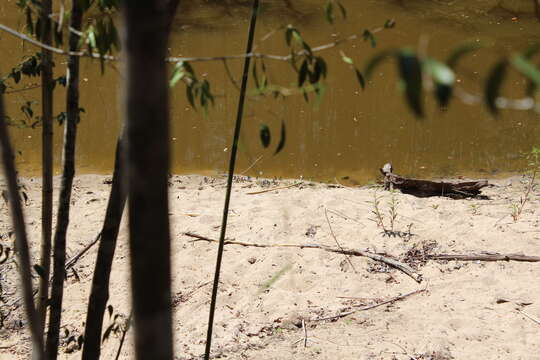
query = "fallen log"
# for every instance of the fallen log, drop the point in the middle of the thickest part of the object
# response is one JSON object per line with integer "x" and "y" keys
{"x": 426, "y": 188}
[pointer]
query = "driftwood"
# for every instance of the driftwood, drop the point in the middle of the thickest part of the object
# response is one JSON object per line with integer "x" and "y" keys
{"x": 425, "y": 188}
{"x": 484, "y": 257}
{"x": 377, "y": 257}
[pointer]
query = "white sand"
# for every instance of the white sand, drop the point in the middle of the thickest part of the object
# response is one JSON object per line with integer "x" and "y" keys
{"x": 266, "y": 292}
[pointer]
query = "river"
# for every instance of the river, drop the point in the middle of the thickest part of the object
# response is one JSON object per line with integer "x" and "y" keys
{"x": 351, "y": 133}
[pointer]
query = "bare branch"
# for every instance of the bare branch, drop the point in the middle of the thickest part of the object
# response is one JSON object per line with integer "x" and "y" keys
{"x": 377, "y": 257}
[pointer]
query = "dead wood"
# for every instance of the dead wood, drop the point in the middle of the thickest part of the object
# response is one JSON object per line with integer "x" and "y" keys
{"x": 372, "y": 306}
{"x": 426, "y": 188}
{"x": 377, "y": 257}
{"x": 484, "y": 257}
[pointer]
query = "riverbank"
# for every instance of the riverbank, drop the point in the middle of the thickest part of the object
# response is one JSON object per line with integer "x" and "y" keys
{"x": 272, "y": 300}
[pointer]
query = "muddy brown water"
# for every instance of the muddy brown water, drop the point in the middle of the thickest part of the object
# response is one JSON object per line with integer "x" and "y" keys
{"x": 352, "y": 132}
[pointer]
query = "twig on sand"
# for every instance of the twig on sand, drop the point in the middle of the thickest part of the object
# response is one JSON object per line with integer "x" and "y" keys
{"x": 484, "y": 257}
{"x": 372, "y": 306}
{"x": 405, "y": 352}
{"x": 272, "y": 189}
{"x": 529, "y": 316}
{"x": 69, "y": 264}
{"x": 377, "y": 257}
{"x": 336, "y": 240}
{"x": 305, "y": 337}
{"x": 76, "y": 258}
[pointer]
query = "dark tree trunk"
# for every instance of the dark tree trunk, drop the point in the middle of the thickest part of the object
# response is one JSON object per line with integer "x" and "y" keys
{"x": 107, "y": 245}
{"x": 20, "y": 234}
{"x": 47, "y": 161}
{"x": 62, "y": 222}
{"x": 146, "y": 110}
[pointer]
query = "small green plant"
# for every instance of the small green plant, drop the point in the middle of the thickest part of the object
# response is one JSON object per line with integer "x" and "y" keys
{"x": 533, "y": 167}
{"x": 379, "y": 217}
{"x": 392, "y": 209}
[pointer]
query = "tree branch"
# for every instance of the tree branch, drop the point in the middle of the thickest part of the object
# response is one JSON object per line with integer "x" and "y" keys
{"x": 188, "y": 59}
{"x": 377, "y": 257}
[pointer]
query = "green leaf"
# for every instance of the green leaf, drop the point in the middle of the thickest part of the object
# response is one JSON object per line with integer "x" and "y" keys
{"x": 410, "y": 71}
{"x": 16, "y": 75}
{"x": 206, "y": 89}
{"x": 178, "y": 74}
{"x": 320, "y": 90}
{"x": 38, "y": 28}
{"x": 443, "y": 94}
{"x": 305, "y": 95}
{"x": 527, "y": 68}
{"x": 368, "y": 35}
{"x": 319, "y": 69}
{"x": 255, "y": 76}
{"x": 29, "y": 21}
{"x": 264, "y": 134}
{"x": 288, "y": 34}
{"x": 320, "y": 62}
{"x": 444, "y": 79}
{"x": 493, "y": 85}
{"x": 302, "y": 73}
{"x": 360, "y": 78}
{"x": 531, "y": 51}
{"x": 376, "y": 61}
{"x": 343, "y": 10}
{"x": 329, "y": 11}
{"x": 347, "y": 59}
{"x": 282, "y": 140}
{"x": 389, "y": 24}
{"x": 453, "y": 59}
{"x": 58, "y": 36}
{"x": 189, "y": 95}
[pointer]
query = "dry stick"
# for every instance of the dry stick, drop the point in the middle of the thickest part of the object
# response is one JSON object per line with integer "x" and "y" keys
{"x": 190, "y": 59}
{"x": 377, "y": 257}
{"x": 23, "y": 252}
{"x": 372, "y": 306}
{"x": 337, "y": 243}
{"x": 485, "y": 257}
{"x": 529, "y": 316}
{"x": 71, "y": 262}
{"x": 276, "y": 188}
{"x": 305, "y": 332}
{"x": 232, "y": 164}
{"x": 338, "y": 213}
{"x": 405, "y": 352}
{"x": 305, "y": 337}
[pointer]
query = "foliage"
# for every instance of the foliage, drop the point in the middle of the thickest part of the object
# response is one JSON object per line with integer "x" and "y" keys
{"x": 533, "y": 168}
{"x": 419, "y": 72}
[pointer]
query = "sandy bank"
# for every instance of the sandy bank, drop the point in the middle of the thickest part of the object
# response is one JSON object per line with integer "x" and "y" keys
{"x": 266, "y": 292}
